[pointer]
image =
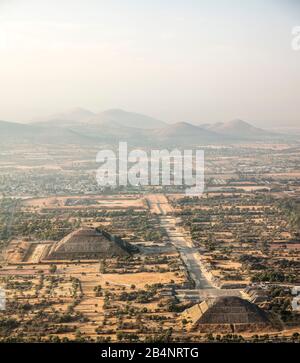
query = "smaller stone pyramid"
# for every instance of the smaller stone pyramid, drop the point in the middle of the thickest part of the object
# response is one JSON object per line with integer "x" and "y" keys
{"x": 226, "y": 314}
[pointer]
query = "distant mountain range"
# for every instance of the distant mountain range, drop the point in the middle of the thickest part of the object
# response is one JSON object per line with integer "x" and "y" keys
{"x": 80, "y": 126}
{"x": 112, "y": 116}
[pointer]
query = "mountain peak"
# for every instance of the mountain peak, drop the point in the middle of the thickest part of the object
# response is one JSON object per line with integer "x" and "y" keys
{"x": 76, "y": 114}
{"x": 126, "y": 119}
{"x": 114, "y": 110}
{"x": 181, "y": 125}
{"x": 239, "y": 129}
{"x": 185, "y": 132}
{"x": 238, "y": 123}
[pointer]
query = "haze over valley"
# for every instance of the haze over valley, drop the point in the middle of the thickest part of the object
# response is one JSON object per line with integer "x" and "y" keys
{"x": 81, "y": 126}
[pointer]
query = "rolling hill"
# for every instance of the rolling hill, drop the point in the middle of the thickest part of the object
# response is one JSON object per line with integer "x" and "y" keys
{"x": 126, "y": 119}
{"x": 12, "y": 132}
{"x": 183, "y": 132}
{"x": 66, "y": 119}
{"x": 240, "y": 129}
{"x": 114, "y": 117}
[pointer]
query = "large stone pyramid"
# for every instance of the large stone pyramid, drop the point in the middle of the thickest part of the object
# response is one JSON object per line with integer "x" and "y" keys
{"x": 88, "y": 243}
{"x": 226, "y": 314}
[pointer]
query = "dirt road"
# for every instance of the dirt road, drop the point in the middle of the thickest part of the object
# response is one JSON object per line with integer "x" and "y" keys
{"x": 188, "y": 253}
{"x": 159, "y": 204}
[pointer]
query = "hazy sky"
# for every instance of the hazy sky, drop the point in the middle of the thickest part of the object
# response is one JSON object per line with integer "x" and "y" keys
{"x": 178, "y": 60}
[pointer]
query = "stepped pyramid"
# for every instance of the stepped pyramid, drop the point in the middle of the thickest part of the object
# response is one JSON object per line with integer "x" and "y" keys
{"x": 88, "y": 243}
{"x": 226, "y": 314}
